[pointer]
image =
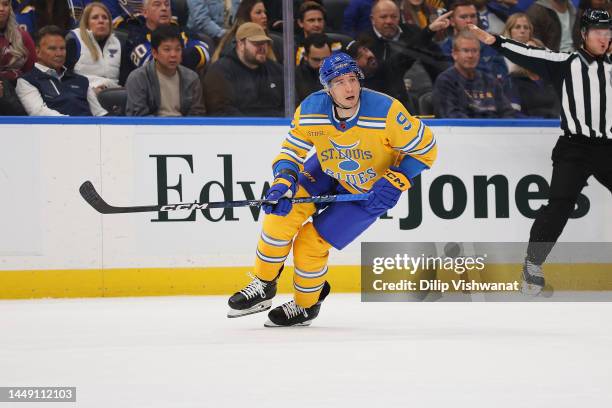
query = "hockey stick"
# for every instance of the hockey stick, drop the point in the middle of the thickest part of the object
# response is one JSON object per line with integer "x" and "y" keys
{"x": 89, "y": 193}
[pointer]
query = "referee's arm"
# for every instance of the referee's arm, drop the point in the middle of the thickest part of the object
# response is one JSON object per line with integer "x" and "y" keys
{"x": 546, "y": 63}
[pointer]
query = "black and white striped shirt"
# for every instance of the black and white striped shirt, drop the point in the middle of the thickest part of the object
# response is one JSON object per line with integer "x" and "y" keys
{"x": 583, "y": 83}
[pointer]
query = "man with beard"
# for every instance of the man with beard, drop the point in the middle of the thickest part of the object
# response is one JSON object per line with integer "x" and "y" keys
{"x": 317, "y": 48}
{"x": 246, "y": 82}
{"x": 379, "y": 75}
{"x": 389, "y": 38}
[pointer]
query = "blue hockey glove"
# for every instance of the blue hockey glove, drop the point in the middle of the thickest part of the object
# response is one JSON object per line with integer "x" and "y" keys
{"x": 282, "y": 189}
{"x": 387, "y": 190}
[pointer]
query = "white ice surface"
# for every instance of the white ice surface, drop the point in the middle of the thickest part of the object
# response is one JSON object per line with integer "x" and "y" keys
{"x": 184, "y": 352}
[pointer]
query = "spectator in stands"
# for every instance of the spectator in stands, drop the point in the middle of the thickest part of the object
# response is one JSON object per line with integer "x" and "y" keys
{"x": 357, "y": 17}
{"x": 49, "y": 89}
{"x": 488, "y": 21}
{"x": 464, "y": 14}
{"x": 123, "y": 10}
{"x": 465, "y": 92}
{"x": 17, "y": 56}
{"x": 529, "y": 94}
{"x": 93, "y": 50}
{"x": 162, "y": 87}
{"x": 157, "y": 13}
{"x": 317, "y": 48}
{"x": 311, "y": 21}
{"x": 519, "y": 28}
{"x": 211, "y": 17}
{"x": 380, "y": 76}
{"x": 40, "y": 13}
{"x": 17, "y": 51}
{"x": 583, "y": 5}
{"x": 505, "y": 8}
{"x": 9, "y": 102}
{"x": 389, "y": 38}
{"x": 419, "y": 12}
{"x": 246, "y": 82}
{"x": 553, "y": 22}
{"x": 252, "y": 11}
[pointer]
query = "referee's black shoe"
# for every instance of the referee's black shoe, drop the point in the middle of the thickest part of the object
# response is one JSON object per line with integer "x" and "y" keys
{"x": 533, "y": 278}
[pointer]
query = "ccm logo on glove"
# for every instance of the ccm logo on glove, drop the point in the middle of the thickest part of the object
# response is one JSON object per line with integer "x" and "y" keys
{"x": 398, "y": 180}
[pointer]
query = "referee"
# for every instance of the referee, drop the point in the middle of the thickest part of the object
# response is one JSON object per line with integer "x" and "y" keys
{"x": 583, "y": 81}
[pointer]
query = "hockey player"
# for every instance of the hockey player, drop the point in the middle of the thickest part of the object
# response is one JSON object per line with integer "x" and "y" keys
{"x": 583, "y": 80}
{"x": 365, "y": 141}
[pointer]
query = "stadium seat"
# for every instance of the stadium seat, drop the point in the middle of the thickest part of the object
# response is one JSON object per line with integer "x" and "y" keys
{"x": 335, "y": 13}
{"x": 180, "y": 11}
{"x": 426, "y": 107}
{"x": 113, "y": 100}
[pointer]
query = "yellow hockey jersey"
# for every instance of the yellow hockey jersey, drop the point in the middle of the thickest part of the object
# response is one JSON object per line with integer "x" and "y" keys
{"x": 359, "y": 150}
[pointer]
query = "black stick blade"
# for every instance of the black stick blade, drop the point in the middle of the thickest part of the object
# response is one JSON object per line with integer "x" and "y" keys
{"x": 89, "y": 194}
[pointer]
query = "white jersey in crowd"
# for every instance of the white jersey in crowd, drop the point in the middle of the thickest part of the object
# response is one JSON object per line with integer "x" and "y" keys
{"x": 104, "y": 71}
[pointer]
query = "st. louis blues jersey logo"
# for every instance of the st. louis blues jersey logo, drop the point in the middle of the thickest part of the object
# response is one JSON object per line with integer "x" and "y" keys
{"x": 348, "y": 163}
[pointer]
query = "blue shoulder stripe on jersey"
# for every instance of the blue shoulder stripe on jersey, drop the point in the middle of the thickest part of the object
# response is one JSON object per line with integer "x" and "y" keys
{"x": 374, "y": 104}
{"x": 316, "y": 103}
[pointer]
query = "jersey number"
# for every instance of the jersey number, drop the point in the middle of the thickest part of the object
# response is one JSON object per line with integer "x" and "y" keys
{"x": 403, "y": 120}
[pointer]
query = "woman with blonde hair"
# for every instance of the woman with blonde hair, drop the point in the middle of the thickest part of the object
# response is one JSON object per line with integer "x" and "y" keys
{"x": 17, "y": 56}
{"x": 93, "y": 51}
{"x": 518, "y": 28}
{"x": 17, "y": 50}
{"x": 252, "y": 11}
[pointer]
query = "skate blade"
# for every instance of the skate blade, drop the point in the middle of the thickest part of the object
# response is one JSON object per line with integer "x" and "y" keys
{"x": 530, "y": 289}
{"x": 260, "y": 307}
{"x": 269, "y": 323}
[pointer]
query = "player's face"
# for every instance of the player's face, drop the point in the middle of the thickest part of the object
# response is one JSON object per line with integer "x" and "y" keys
{"x": 258, "y": 15}
{"x": 316, "y": 56}
{"x": 255, "y": 52}
{"x": 345, "y": 90}
{"x": 313, "y": 22}
{"x": 51, "y": 52}
{"x": 157, "y": 13}
{"x": 385, "y": 18}
{"x": 169, "y": 54}
{"x": 597, "y": 40}
{"x": 466, "y": 54}
{"x": 463, "y": 16}
{"x": 5, "y": 7}
{"x": 99, "y": 23}
{"x": 521, "y": 31}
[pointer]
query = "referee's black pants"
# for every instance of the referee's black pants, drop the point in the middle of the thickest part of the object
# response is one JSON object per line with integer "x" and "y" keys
{"x": 574, "y": 161}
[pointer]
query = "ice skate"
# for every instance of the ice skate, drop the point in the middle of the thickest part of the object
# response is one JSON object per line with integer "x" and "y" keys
{"x": 254, "y": 298}
{"x": 533, "y": 279}
{"x": 292, "y": 314}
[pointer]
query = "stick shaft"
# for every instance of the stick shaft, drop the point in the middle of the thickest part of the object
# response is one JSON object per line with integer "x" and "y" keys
{"x": 91, "y": 196}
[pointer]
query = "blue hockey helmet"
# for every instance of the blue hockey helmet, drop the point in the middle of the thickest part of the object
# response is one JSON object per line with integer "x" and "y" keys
{"x": 336, "y": 65}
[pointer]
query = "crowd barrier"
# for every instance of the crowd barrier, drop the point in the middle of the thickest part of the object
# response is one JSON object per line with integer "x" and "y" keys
{"x": 490, "y": 178}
